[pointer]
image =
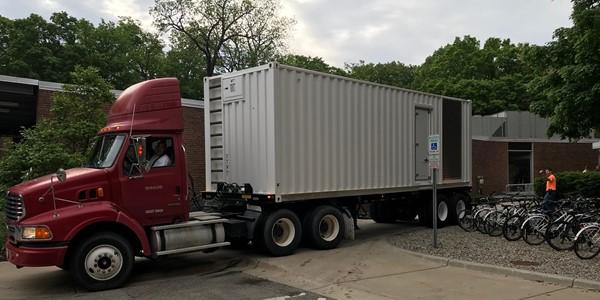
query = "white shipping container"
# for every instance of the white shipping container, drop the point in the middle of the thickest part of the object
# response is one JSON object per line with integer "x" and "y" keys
{"x": 299, "y": 134}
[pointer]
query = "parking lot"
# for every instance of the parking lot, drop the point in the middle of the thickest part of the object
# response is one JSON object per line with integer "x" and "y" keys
{"x": 370, "y": 267}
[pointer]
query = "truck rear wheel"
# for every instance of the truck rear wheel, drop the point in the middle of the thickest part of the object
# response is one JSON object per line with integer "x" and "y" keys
{"x": 458, "y": 205}
{"x": 281, "y": 233}
{"x": 443, "y": 211}
{"x": 101, "y": 262}
{"x": 324, "y": 227}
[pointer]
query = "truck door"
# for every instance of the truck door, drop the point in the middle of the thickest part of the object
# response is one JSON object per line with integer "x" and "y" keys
{"x": 155, "y": 197}
{"x": 422, "y": 119}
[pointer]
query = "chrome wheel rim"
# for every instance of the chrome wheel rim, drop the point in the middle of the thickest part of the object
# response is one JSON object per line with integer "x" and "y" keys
{"x": 103, "y": 262}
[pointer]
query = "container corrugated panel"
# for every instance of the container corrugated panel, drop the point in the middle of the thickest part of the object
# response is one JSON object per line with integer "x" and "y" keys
{"x": 301, "y": 134}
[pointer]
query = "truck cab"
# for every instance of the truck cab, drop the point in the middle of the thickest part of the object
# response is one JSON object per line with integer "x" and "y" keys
{"x": 129, "y": 199}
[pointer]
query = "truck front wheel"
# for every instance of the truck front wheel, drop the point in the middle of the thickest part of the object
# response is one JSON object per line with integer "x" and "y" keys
{"x": 324, "y": 227}
{"x": 281, "y": 232}
{"x": 101, "y": 262}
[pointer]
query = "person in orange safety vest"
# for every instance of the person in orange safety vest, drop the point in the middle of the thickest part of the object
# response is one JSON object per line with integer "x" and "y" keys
{"x": 550, "y": 196}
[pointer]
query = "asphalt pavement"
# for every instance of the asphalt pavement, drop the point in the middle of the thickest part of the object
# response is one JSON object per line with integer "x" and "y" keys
{"x": 369, "y": 267}
{"x": 217, "y": 275}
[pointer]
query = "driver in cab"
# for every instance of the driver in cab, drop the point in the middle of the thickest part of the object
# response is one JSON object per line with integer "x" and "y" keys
{"x": 160, "y": 157}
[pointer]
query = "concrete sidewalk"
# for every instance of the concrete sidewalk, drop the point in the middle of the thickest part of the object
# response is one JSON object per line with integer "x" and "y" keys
{"x": 371, "y": 268}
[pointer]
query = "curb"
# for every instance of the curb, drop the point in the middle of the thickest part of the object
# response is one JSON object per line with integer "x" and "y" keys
{"x": 570, "y": 282}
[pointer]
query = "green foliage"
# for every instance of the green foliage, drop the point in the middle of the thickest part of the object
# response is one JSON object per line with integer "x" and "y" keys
{"x": 494, "y": 76}
{"x": 63, "y": 140}
{"x": 569, "y": 86}
{"x": 2, "y": 236}
{"x": 50, "y": 50}
{"x": 392, "y": 73}
{"x": 183, "y": 62}
{"x": 310, "y": 63}
{"x": 572, "y": 183}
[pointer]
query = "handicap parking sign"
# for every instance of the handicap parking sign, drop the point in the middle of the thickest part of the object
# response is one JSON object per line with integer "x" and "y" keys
{"x": 434, "y": 142}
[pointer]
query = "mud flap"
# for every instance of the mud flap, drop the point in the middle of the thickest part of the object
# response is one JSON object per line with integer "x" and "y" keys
{"x": 348, "y": 224}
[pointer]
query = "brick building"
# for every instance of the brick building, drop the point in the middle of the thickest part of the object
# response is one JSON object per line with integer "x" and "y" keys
{"x": 510, "y": 147}
{"x": 25, "y": 101}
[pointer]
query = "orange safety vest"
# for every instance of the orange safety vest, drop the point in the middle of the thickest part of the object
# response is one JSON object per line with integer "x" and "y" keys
{"x": 551, "y": 183}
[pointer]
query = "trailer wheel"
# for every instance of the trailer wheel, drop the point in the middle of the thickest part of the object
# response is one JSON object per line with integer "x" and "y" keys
{"x": 324, "y": 227}
{"x": 101, "y": 262}
{"x": 458, "y": 205}
{"x": 443, "y": 213}
{"x": 281, "y": 233}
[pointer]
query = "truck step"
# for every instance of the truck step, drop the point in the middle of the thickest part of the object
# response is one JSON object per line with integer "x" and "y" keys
{"x": 192, "y": 249}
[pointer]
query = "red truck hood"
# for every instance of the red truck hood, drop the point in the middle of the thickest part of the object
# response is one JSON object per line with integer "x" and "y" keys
{"x": 78, "y": 179}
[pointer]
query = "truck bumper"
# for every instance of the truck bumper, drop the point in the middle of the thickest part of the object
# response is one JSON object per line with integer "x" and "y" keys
{"x": 35, "y": 257}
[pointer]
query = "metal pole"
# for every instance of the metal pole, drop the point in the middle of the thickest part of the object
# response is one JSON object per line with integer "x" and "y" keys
{"x": 434, "y": 176}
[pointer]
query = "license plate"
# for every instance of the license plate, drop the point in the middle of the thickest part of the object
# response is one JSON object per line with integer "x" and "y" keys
{"x": 246, "y": 197}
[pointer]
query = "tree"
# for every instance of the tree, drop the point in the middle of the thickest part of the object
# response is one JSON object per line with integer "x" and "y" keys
{"x": 494, "y": 76}
{"x": 228, "y": 33}
{"x": 310, "y": 63}
{"x": 49, "y": 50}
{"x": 183, "y": 62}
{"x": 392, "y": 73}
{"x": 63, "y": 140}
{"x": 123, "y": 53}
{"x": 569, "y": 86}
{"x": 29, "y": 46}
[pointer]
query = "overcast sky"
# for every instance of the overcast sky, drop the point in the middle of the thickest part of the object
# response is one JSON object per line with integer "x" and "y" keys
{"x": 343, "y": 31}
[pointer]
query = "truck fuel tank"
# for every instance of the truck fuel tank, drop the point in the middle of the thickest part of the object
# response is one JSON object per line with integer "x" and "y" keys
{"x": 203, "y": 231}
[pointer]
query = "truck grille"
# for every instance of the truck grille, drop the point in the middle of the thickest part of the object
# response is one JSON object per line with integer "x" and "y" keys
{"x": 12, "y": 233}
{"x": 14, "y": 208}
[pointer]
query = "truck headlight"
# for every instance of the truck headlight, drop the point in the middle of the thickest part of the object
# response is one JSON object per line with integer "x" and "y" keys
{"x": 30, "y": 233}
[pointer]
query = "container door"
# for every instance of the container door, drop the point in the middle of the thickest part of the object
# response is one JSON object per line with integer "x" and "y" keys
{"x": 422, "y": 117}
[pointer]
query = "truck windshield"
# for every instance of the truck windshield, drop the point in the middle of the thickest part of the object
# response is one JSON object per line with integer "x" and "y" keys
{"x": 105, "y": 151}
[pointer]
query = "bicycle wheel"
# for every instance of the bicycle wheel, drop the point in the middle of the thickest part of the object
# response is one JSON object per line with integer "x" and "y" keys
{"x": 534, "y": 230}
{"x": 511, "y": 230}
{"x": 495, "y": 226}
{"x": 561, "y": 235}
{"x": 480, "y": 220}
{"x": 587, "y": 244}
{"x": 465, "y": 220}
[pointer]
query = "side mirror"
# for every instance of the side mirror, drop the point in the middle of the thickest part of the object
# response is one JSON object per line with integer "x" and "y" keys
{"x": 61, "y": 175}
{"x": 139, "y": 144}
{"x": 138, "y": 166}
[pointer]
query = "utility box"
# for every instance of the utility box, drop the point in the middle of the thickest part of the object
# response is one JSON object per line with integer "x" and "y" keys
{"x": 298, "y": 134}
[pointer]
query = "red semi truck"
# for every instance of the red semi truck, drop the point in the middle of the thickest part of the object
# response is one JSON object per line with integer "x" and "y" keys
{"x": 131, "y": 198}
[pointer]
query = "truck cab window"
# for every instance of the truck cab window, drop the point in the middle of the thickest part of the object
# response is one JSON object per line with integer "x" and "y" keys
{"x": 105, "y": 151}
{"x": 160, "y": 152}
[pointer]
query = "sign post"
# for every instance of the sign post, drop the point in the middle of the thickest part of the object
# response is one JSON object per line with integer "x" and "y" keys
{"x": 434, "y": 164}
